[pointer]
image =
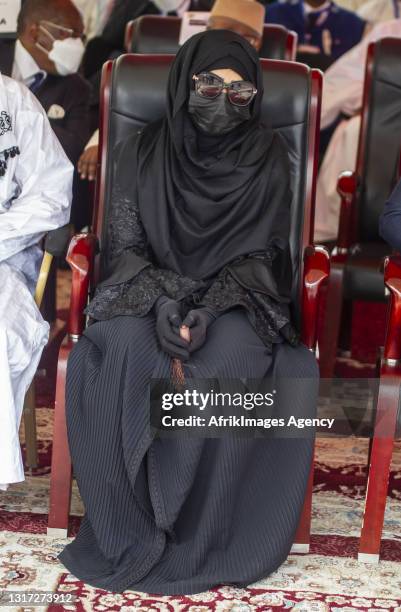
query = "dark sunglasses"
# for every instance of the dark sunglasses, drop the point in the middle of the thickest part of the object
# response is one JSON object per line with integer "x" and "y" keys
{"x": 239, "y": 93}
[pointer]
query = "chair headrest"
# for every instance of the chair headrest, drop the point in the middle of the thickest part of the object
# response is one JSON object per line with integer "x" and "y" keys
{"x": 153, "y": 34}
{"x": 286, "y": 87}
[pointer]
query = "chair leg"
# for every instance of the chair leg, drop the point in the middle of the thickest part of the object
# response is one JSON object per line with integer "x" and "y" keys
{"x": 332, "y": 320}
{"x": 302, "y": 537}
{"x": 61, "y": 471}
{"x": 31, "y": 443}
{"x": 379, "y": 469}
{"x": 345, "y": 331}
{"x": 48, "y": 307}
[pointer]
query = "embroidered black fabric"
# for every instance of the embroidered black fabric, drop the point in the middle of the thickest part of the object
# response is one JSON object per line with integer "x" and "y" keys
{"x": 5, "y": 123}
{"x": 4, "y": 156}
{"x": 269, "y": 318}
{"x": 137, "y": 294}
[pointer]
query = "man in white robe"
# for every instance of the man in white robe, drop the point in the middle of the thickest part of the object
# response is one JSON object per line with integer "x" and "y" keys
{"x": 377, "y": 11}
{"x": 94, "y": 14}
{"x": 35, "y": 197}
{"x": 342, "y": 94}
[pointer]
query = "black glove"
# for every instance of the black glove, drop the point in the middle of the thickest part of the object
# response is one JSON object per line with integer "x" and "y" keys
{"x": 168, "y": 321}
{"x": 198, "y": 321}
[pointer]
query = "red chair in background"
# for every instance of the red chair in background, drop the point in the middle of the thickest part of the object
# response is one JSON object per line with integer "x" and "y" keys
{"x": 356, "y": 262}
{"x": 387, "y": 419}
{"x": 133, "y": 92}
{"x": 155, "y": 34}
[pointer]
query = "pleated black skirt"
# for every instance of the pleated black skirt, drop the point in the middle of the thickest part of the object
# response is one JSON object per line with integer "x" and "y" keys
{"x": 179, "y": 516}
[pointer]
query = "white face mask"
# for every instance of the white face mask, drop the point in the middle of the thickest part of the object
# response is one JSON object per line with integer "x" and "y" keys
{"x": 66, "y": 54}
{"x": 167, "y": 5}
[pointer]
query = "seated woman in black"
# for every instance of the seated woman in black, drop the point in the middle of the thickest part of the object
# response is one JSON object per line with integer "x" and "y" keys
{"x": 199, "y": 235}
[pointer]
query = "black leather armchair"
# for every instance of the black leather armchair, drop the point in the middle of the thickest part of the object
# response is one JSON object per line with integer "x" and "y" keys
{"x": 133, "y": 94}
{"x": 155, "y": 34}
{"x": 356, "y": 271}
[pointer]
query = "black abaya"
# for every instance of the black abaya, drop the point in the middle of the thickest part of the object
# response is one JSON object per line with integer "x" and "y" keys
{"x": 177, "y": 516}
{"x": 184, "y": 515}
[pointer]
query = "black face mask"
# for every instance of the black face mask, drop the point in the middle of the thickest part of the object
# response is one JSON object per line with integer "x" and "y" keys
{"x": 217, "y": 115}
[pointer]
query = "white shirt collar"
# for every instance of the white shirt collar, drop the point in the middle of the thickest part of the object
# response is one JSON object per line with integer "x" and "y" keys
{"x": 24, "y": 67}
{"x": 310, "y": 9}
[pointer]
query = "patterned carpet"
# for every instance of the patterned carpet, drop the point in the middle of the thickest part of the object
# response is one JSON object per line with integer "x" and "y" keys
{"x": 329, "y": 579}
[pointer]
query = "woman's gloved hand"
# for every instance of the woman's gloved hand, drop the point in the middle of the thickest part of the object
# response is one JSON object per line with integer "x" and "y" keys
{"x": 198, "y": 320}
{"x": 168, "y": 322}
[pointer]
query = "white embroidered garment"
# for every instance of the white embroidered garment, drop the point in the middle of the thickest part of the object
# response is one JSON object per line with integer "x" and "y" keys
{"x": 95, "y": 14}
{"x": 342, "y": 93}
{"x": 343, "y": 81}
{"x": 377, "y": 11}
{"x": 340, "y": 155}
{"x": 35, "y": 197}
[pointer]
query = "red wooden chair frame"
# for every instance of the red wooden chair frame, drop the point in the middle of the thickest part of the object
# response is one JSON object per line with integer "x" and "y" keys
{"x": 84, "y": 265}
{"x": 386, "y": 420}
{"x": 290, "y": 45}
{"x": 347, "y": 187}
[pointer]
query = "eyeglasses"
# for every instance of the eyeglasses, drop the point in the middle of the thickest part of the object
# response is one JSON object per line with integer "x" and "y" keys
{"x": 239, "y": 93}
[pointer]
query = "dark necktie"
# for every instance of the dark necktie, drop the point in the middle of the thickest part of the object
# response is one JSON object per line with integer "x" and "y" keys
{"x": 36, "y": 81}
{"x": 311, "y": 20}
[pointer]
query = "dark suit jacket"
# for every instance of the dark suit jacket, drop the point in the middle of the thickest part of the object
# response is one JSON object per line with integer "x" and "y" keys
{"x": 71, "y": 92}
{"x": 345, "y": 27}
{"x": 390, "y": 220}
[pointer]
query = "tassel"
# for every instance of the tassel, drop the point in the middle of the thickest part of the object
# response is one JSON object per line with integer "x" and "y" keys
{"x": 177, "y": 374}
{"x": 177, "y": 371}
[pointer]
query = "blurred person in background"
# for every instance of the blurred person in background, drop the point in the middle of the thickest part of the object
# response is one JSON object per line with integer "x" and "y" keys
{"x": 377, "y": 11}
{"x": 110, "y": 43}
{"x": 46, "y": 57}
{"x": 325, "y": 30}
{"x": 94, "y": 14}
{"x": 351, "y": 5}
{"x": 245, "y": 17}
{"x": 35, "y": 197}
{"x": 390, "y": 220}
{"x": 341, "y": 103}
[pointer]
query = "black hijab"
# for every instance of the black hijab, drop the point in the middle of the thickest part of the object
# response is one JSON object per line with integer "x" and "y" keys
{"x": 206, "y": 200}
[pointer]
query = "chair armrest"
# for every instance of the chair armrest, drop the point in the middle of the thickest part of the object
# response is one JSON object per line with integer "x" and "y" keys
{"x": 129, "y": 32}
{"x": 346, "y": 187}
{"x": 56, "y": 241}
{"x": 55, "y": 245}
{"x": 392, "y": 280}
{"x": 316, "y": 271}
{"x": 80, "y": 257}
